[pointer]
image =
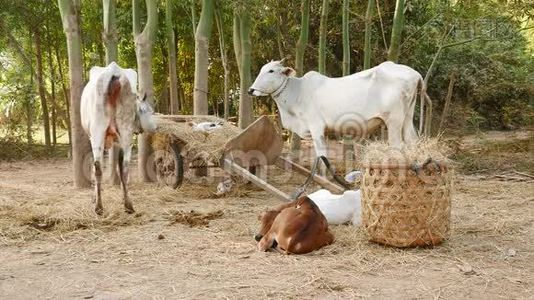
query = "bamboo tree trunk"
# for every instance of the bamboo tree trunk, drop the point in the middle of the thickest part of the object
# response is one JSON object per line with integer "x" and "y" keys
{"x": 70, "y": 10}
{"x": 40, "y": 82}
{"x": 245, "y": 103}
{"x": 53, "y": 99}
{"x": 144, "y": 41}
{"x": 224, "y": 60}
{"x": 346, "y": 38}
{"x": 322, "y": 36}
{"x": 29, "y": 111}
{"x": 202, "y": 35}
{"x": 299, "y": 56}
{"x": 448, "y": 98}
{"x": 279, "y": 42}
{"x": 396, "y": 32}
{"x": 110, "y": 31}
{"x": 29, "y": 123}
{"x": 368, "y": 27}
{"x": 171, "y": 45}
{"x": 65, "y": 92}
{"x": 193, "y": 17}
{"x": 237, "y": 40}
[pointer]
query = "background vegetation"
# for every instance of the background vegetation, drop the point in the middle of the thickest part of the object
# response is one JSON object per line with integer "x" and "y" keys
{"x": 487, "y": 51}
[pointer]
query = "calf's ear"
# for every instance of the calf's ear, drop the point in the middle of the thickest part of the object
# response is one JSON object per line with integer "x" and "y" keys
{"x": 289, "y": 72}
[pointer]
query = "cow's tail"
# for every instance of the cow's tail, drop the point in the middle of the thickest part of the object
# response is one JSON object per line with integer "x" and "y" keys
{"x": 408, "y": 129}
{"x": 424, "y": 114}
{"x": 113, "y": 91}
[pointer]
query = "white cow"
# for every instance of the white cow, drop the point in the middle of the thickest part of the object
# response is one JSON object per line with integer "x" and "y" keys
{"x": 111, "y": 113}
{"x": 357, "y": 103}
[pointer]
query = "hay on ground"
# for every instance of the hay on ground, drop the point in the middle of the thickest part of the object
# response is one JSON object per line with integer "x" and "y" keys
{"x": 194, "y": 218}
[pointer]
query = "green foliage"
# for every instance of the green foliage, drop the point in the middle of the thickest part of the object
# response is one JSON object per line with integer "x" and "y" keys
{"x": 492, "y": 56}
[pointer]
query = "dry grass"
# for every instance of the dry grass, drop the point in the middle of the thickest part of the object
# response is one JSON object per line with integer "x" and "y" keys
{"x": 425, "y": 148}
{"x": 197, "y": 145}
{"x": 492, "y": 155}
{"x": 193, "y": 218}
{"x": 49, "y": 236}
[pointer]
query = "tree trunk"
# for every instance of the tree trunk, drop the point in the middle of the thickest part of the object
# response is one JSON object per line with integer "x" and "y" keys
{"x": 346, "y": 38}
{"x": 279, "y": 42}
{"x": 245, "y": 103}
{"x": 171, "y": 45}
{"x": 299, "y": 56}
{"x": 237, "y": 40}
{"x": 81, "y": 149}
{"x": 193, "y": 17}
{"x": 396, "y": 32}
{"x": 53, "y": 99}
{"x": 202, "y": 35}
{"x": 224, "y": 60}
{"x": 448, "y": 98}
{"x": 368, "y": 27}
{"x": 144, "y": 41}
{"x": 65, "y": 92}
{"x": 29, "y": 115}
{"x": 29, "y": 111}
{"x": 110, "y": 31}
{"x": 40, "y": 82}
{"x": 322, "y": 36}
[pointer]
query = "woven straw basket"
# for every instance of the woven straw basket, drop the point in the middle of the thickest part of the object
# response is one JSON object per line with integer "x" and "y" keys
{"x": 405, "y": 208}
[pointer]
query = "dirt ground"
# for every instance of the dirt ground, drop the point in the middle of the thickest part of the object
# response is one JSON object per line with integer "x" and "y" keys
{"x": 189, "y": 244}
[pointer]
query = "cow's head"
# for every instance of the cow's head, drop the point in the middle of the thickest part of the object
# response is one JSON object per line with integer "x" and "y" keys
{"x": 273, "y": 76}
{"x": 144, "y": 116}
{"x": 266, "y": 218}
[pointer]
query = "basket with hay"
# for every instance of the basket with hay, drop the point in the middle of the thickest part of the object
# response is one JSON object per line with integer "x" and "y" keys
{"x": 406, "y": 194}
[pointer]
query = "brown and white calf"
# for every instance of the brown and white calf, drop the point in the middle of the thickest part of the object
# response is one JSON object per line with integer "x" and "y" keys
{"x": 294, "y": 228}
{"x": 110, "y": 112}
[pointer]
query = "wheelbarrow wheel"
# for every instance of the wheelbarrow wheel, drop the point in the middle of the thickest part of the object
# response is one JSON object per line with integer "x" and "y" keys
{"x": 170, "y": 167}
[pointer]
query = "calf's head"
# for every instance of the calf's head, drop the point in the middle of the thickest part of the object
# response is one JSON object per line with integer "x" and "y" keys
{"x": 144, "y": 116}
{"x": 271, "y": 78}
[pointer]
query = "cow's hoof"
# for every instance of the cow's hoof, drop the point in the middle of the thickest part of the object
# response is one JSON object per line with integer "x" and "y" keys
{"x": 99, "y": 210}
{"x": 128, "y": 208}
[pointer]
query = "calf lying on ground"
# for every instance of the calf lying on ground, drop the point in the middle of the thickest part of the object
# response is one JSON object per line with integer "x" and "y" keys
{"x": 294, "y": 228}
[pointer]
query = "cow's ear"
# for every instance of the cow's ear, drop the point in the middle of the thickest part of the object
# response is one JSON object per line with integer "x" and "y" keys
{"x": 289, "y": 72}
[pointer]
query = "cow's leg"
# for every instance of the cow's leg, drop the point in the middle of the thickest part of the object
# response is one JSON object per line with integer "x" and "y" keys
{"x": 320, "y": 150}
{"x": 124, "y": 161}
{"x": 99, "y": 209}
{"x": 336, "y": 177}
{"x": 266, "y": 242}
{"x": 97, "y": 145}
{"x": 408, "y": 131}
{"x": 395, "y": 126}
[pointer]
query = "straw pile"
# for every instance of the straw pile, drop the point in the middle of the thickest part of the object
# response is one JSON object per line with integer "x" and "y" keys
{"x": 405, "y": 202}
{"x": 196, "y": 146}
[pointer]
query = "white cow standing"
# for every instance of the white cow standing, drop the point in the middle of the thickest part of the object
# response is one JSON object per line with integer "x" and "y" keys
{"x": 110, "y": 112}
{"x": 359, "y": 102}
